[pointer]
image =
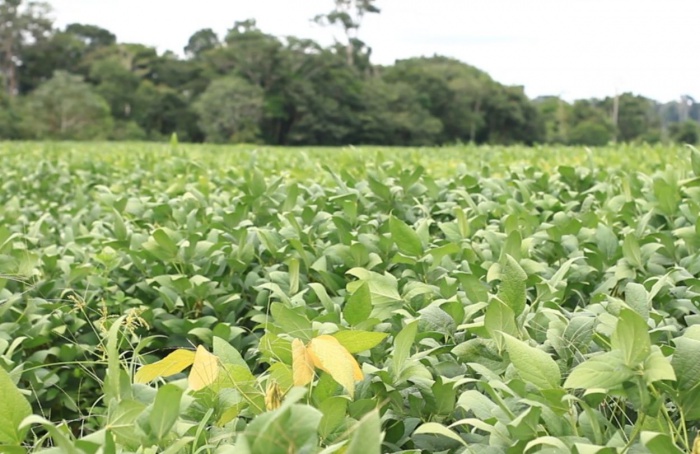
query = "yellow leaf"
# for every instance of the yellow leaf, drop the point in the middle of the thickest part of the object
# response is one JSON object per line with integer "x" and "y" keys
{"x": 330, "y": 356}
{"x": 204, "y": 370}
{"x": 302, "y": 364}
{"x": 172, "y": 364}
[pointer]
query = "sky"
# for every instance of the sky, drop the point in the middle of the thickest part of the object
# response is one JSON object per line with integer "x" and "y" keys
{"x": 569, "y": 48}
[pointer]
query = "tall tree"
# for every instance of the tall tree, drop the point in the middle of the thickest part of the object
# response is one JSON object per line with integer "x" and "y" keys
{"x": 65, "y": 107}
{"x": 200, "y": 42}
{"x": 20, "y": 23}
{"x": 230, "y": 110}
{"x": 349, "y": 14}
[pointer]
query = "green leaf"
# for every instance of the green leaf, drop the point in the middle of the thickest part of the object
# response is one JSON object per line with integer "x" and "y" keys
{"x": 14, "y": 407}
{"x": 667, "y": 196}
{"x": 433, "y": 428}
{"x": 637, "y": 297}
{"x": 333, "y": 410}
{"x": 166, "y": 410}
{"x": 695, "y": 161}
{"x": 686, "y": 361}
{"x": 58, "y": 436}
{"x": 475, "y": 290}
{"x": 631, "y": 337}
{"x": 359, "y": 305}
{"x": 631, "y": 251}
{"x": 533, "y": 365}
{"x": 512, "y": 246}
{"x": 657, "y": 367}
{"x": 499, "y": 318}
{"x": 445, "y": 396}
{"x": 402, "y": 347}
{"x": 291, "y": 321}
{"x": 607, "y": 240}
{"x": 289, "y": 429}
{"x": 383, "y": 289}
{"x": 366, "y": 435}
{"x": 658, "y": 442}
{"x": 405, "y": 237}
{"x": 359, "y": 341}
{"x": 604, "y": 371}
{"x": 585, "y": 448}
{"x": 226, "y": 353}
{"x": 512, "y": 290}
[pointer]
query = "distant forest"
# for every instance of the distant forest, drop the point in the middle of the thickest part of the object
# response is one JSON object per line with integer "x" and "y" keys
{"x": 81, "y": 83}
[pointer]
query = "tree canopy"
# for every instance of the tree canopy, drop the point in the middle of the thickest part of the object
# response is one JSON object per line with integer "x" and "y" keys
{"x": 251, "y": 86}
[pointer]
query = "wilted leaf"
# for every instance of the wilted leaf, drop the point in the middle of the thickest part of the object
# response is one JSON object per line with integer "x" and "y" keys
{"x": 205, "y": 369}
{"x": 331, "y": 357}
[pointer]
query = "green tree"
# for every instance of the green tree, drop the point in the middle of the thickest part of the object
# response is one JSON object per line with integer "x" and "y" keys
{"x": 349, "y": 14}
{"x": 634, "y": 116}
{"x": 686, "y": 132}
{"x": 230, "y": 110}
{"x": 200, "y": 42}
{"x": 393, "y": 115}
{"x": 555, "y": 114}
{"x": 20, "y": 24}
{"x": 65, "y": 107}
{"x": 591, "y": 132}
{"x": 62, "y": 50}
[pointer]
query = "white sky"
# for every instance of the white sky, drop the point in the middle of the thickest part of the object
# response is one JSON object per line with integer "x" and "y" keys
{"x": 572, "y": 48}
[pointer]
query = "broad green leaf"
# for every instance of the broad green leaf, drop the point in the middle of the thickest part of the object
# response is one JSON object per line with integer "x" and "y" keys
{"x": 14, "y": 407}
{"x": 433, "y": 428}
{"x": 333, "y": 410}
{"x": 695, "y": 161}
{"x": 512, "y": 288}
{"x": 291, "y": 321}
{"x": 657, "y": 367}
{"x": 226, "y": 353}
{"x": 585, "y": 448}
{"x": 667, "y": 196}
{"x": 658, "y": 442}
{"x": 290, "y": 429}
{"x": 499, "y": 318}
{"x": 533, "y": 365}
{"x": 631, "y": 337}
{"x": 512, "y": 246}
{"x": 607, "y": 240}
{"x": 359, "y": 305}
{"x": 405, "y": 237}
{"x": 631, "y": 251}
{"x": 366, "y": 435}
{"x": 383, "y": 287}
{"x": 172, "y": 364}
{"x": 359, "y": 341}
{"x": 165, "y": 411}
{"x": 637, "y": 297}
{"x": 686, "y": 361}
{"x": 445, "y": 396}
{"x": 604, "y": 371}
{"x": 475, "y": 290}
{"x": 402, "y": 347}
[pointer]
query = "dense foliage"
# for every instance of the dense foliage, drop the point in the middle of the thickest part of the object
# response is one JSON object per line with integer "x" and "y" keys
{"x": 497, "y": 300}
{"x": 292, "y": 91}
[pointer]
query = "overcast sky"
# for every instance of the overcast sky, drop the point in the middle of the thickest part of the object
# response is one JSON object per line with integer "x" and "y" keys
{"x": 572, "y": 48}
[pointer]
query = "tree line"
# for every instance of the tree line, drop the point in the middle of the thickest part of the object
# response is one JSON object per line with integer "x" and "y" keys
{"x": 81, "y": 83}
